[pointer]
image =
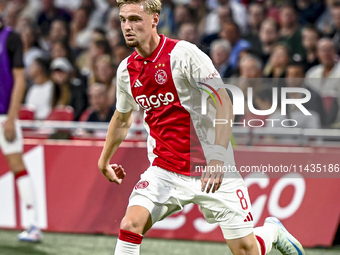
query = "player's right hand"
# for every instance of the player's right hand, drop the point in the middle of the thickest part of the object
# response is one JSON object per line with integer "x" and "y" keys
{"x": 114, "y": 173}
{"x": 9, "y": 130}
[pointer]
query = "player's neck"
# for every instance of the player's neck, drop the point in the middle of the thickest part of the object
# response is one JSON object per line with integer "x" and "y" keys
{"x": 149, "y": 47}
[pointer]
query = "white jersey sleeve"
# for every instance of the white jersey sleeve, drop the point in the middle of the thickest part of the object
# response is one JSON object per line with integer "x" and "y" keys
{"x": 125, "y": 101}
{"x": 197, "y": 67}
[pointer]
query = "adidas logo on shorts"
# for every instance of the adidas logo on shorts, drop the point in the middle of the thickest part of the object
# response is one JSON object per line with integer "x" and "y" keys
{"x": 249, "y": 217}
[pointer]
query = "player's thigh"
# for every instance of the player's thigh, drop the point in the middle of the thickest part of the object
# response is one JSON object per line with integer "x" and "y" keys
{"x": 230, "y": 207}
{"x": 157, "y": 194}
{"x": 246, "y": 245}
{"x": 137, "y": 219}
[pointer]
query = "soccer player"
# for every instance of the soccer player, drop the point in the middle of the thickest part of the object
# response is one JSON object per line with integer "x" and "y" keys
{"x": 12, "y": 88}
{"x": 166, "y": 77}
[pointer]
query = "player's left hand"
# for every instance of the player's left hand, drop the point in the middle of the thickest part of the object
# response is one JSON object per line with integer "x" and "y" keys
{"x": 9, "y": 130}
{"x": 213, "y": 176}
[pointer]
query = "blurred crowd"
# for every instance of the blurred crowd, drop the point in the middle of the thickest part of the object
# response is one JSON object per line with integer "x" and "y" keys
{"x": 72, "y": 50}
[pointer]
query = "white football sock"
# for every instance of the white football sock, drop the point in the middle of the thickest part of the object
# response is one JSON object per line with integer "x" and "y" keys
{"x": 266, "y": 236}
{"x": 25, "y": 189}
{"x": 128, "y": 243}
{"x": 126, "y": 248}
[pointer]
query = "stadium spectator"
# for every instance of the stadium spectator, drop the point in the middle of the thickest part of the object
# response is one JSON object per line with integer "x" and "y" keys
{"x": 295, "y": 78}
{"x": 250, "y": 74}
{"x": 98, "y": 34}
{"x": 309, "y": 11}
{"x": 60, "y": 30}
{"x": 188, "y": 32}
{"x": 99, "y": 101}
{"x": 120, "y": 52}
{"x": 325, "y": 22}
{"x": 104, "y": 72}
{"x": 80, "y": 32}
{"x": 324, "y": 78}
{"x": 167, "y": 21}
{"x": 95, "y": 13}
{"x": 28, "y": 9}
{"x": 40, "y": 94}
{"x": 200, "y": 11}
{"x": 11, "y": 14}
{"x": 224, "y": 15}
{"x": 256, "y": 14}
{"x": 48, "y": 14}
{"x": 114, "y": 38}
{"x": 113, "y": 22}
{"x": 182, "y": 14}
{"x": 269, "y": 36}
{"x": 230, "y": 32}
{"x": 239, "y": 13}
{"x": 310, "y": 37}
{"x": 30, "y": 46}
{"x": 61, "y": 49}
{"x": 22, "y": 24}
{"x": 278, "y": 61}
{"x": 290, "y": 31}
{"x": 69, "y": 90}
{"x": 220, "y": 52}
{"x": 335, "y": 32}
{"x": 107, "y": 13}
{"x": 86, "y": 60}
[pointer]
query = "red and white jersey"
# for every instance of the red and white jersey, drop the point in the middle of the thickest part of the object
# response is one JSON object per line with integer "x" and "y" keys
{"x": 164, "y": 85}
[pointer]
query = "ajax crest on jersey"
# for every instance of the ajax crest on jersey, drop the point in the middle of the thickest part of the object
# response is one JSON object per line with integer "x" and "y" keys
{"x": 142, "y": 185}
{"x": 161, "y": 77}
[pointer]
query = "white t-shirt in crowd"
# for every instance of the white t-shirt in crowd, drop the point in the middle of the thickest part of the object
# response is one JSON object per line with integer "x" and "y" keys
{"x": 40, "y": 96}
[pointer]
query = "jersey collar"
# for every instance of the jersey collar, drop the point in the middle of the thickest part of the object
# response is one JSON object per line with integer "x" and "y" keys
{"x": 156, "y": 54}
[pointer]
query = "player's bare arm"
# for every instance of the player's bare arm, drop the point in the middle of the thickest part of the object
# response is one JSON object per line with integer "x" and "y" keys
{"x": 16, "y": 98}
{"x": 222, "y": 137}
{"x": 118, "y": 129}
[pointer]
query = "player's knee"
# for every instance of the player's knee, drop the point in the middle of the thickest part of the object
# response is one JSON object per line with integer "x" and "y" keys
{"x": 132, "y": 225}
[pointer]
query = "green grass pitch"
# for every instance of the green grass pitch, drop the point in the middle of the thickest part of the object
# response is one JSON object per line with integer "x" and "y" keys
{"x": 72, "y": 244}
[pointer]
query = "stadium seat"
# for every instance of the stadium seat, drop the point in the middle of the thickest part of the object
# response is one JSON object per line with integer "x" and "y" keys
{"x": 62, "y": 113}
{"x": 26, "y": 112}
{"x": 85, "y": 115}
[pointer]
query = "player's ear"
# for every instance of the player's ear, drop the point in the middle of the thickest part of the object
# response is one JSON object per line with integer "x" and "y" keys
{"x": 155, "y": 20}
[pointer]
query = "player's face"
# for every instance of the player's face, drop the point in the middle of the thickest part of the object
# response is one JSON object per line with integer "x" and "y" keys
{"x": 136, "y": 24}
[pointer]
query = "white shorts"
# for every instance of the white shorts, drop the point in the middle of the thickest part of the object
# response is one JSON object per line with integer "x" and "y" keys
{"x": 164, "y": 193}
{"x": 7, "y": 147}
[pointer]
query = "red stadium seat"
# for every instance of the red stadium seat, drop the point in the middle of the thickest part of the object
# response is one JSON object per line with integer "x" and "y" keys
{"x": 62, "y": 113}
{"x": 26, "y": 112}
{"x": 85, "y": 115}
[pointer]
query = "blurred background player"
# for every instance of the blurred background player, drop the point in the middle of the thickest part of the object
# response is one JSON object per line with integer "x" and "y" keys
{"x": 12, "y": 88}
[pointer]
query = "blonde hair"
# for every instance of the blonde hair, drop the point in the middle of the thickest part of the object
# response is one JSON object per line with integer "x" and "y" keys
{"x": 150, "y": 6}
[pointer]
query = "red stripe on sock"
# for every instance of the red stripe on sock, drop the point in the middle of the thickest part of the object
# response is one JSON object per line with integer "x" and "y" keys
{"x": 248, "y": 218}
{"x": 263, "y": 246}
{"x": 20, "y": 174}
{"x": 130, "y": 237}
